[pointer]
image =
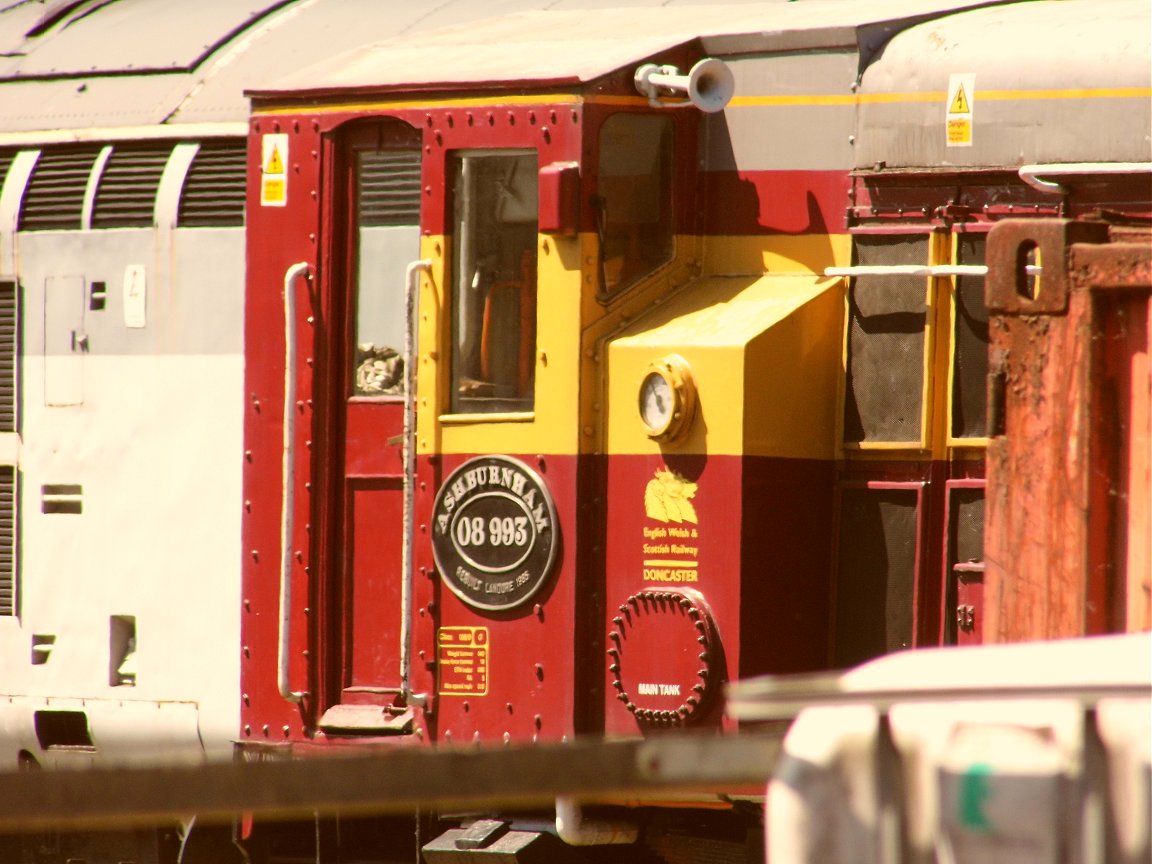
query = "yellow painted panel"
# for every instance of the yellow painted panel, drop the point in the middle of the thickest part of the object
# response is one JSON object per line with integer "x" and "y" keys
{"x": 792, "y": 374}
{"x": 803, "y": 253}
{"x": 552, "y": 427}
{"x": 730, "y": 330}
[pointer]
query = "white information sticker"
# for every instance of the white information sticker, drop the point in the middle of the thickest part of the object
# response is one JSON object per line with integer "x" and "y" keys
{"x": 135, "y": 296}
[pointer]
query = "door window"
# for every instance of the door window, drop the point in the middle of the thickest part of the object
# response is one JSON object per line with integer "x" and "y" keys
{"x": 494, "y": 281}
{"x": 387, "y": 200}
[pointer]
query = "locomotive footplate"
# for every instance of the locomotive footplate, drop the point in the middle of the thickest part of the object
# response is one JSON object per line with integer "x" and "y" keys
{"x": 492, "y": 840}
{"x": 362, "y": 719}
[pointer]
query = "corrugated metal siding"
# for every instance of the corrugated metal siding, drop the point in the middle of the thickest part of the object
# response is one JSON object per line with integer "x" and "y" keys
{"x": 7, "y": 540}
{"x": 55, "y": 195}
{"x": 213, "y": 193}
{"x": 126, "y": 196}
{"x": 9, "y": 300}
{"x": 390, "y": 188}
{"x": 6, "y": 157}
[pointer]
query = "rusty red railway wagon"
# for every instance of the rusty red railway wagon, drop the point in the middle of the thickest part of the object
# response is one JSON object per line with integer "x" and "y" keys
{"x": 593, "y": 360}
{"x": 1070, "y": 521}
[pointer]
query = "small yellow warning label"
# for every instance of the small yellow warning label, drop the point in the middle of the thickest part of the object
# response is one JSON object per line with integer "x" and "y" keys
{"x": 959, "y": 103}
{"x": 959, "y": 132}
{"x": 273, "y": 190}
{"x": 273, "y": 171}
{"x": 958, "y": 123}
{"x": 276, "y": 166}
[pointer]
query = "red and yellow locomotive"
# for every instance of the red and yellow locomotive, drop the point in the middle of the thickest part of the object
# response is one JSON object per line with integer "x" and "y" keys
{"x": 568, "y": 402}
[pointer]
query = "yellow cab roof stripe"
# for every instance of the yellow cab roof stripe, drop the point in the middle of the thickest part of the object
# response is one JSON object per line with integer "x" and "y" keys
{"x": 459, "y": 102}
{"x": 400, "y": 104}
{"x": 941, "y": 96}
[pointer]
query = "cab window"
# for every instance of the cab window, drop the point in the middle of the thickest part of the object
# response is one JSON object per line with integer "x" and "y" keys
{"x": 634, "y": 198}
{"x": 494, "y": 196}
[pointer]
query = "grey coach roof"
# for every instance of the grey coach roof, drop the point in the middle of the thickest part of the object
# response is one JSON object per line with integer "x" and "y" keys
{"x": 139, "y": 63}
{"x": 79, "y": 64}
{"x": 558, "y": 45}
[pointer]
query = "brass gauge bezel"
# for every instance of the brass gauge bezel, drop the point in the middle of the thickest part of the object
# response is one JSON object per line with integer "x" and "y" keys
{"x": 674, "y": 376}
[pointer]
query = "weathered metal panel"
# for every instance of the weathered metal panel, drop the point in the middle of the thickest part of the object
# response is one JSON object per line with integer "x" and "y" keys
{"x": 777, "y": 95}
{"x": 1050, "y": 84}
{"x": 1061, "y": 503}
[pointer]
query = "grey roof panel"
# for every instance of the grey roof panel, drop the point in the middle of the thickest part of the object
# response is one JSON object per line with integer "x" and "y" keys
{"x": 301, "y": 34}
{"x": 95, "y": 102}
{"x": 566, "y": 44}
{"x": 90, "y": 69}
{"x": 307, "y": 33}
{"x": 134, "y": 36}
{"x": 527, "y": 46}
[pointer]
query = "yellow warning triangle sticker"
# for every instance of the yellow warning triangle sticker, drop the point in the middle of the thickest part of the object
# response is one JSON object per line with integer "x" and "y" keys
{"x": 276, "y": 166}
{"x": 959, "y": 105}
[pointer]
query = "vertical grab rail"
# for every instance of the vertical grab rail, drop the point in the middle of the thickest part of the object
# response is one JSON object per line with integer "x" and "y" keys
{"x": 412, "y": 283}
{"x": 288, "y": 479}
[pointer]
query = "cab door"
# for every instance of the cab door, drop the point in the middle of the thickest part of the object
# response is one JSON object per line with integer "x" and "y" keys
{"x": 360, "y": 506}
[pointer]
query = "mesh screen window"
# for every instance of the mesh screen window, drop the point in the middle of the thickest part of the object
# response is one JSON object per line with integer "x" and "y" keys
{"x": 887, "y": 317}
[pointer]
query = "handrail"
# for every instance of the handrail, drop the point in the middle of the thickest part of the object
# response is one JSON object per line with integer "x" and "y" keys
{"x": 1030, "y": 174}
{"x": 918, "y": 270}
{"x": 288, "y": 480}
{"x": 412, "y": 284}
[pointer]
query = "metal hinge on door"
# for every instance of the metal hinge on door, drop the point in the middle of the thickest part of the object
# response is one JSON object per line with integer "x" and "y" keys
{"x": 969, "y": 585}
{"x": 966, "y": 617}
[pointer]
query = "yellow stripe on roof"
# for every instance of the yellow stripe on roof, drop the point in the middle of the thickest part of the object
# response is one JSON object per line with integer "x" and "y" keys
{"x": 402, "y": 104}
{"x": 941, "y": 96}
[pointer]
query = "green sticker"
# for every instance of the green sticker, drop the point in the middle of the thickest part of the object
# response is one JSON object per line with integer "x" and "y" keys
{"x": 974, "y": 792}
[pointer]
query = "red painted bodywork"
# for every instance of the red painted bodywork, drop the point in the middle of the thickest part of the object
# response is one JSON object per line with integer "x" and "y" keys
{"x": 767, "y": 590}
{"x": 766, "y": 528}
{"x": 345, "y": 629}
{"x": 533, "y": 650}
{"x": 545, "y": 667}
{"x": 764, "y": 589}
{"x": 776, "y": 202}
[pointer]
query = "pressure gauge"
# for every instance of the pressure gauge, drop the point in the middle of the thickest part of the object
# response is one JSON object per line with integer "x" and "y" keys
{"x": 667, "y": 398}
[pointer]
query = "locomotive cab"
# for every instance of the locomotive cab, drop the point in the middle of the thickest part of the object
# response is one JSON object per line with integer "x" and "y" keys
{"x": 437, "y": 265}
